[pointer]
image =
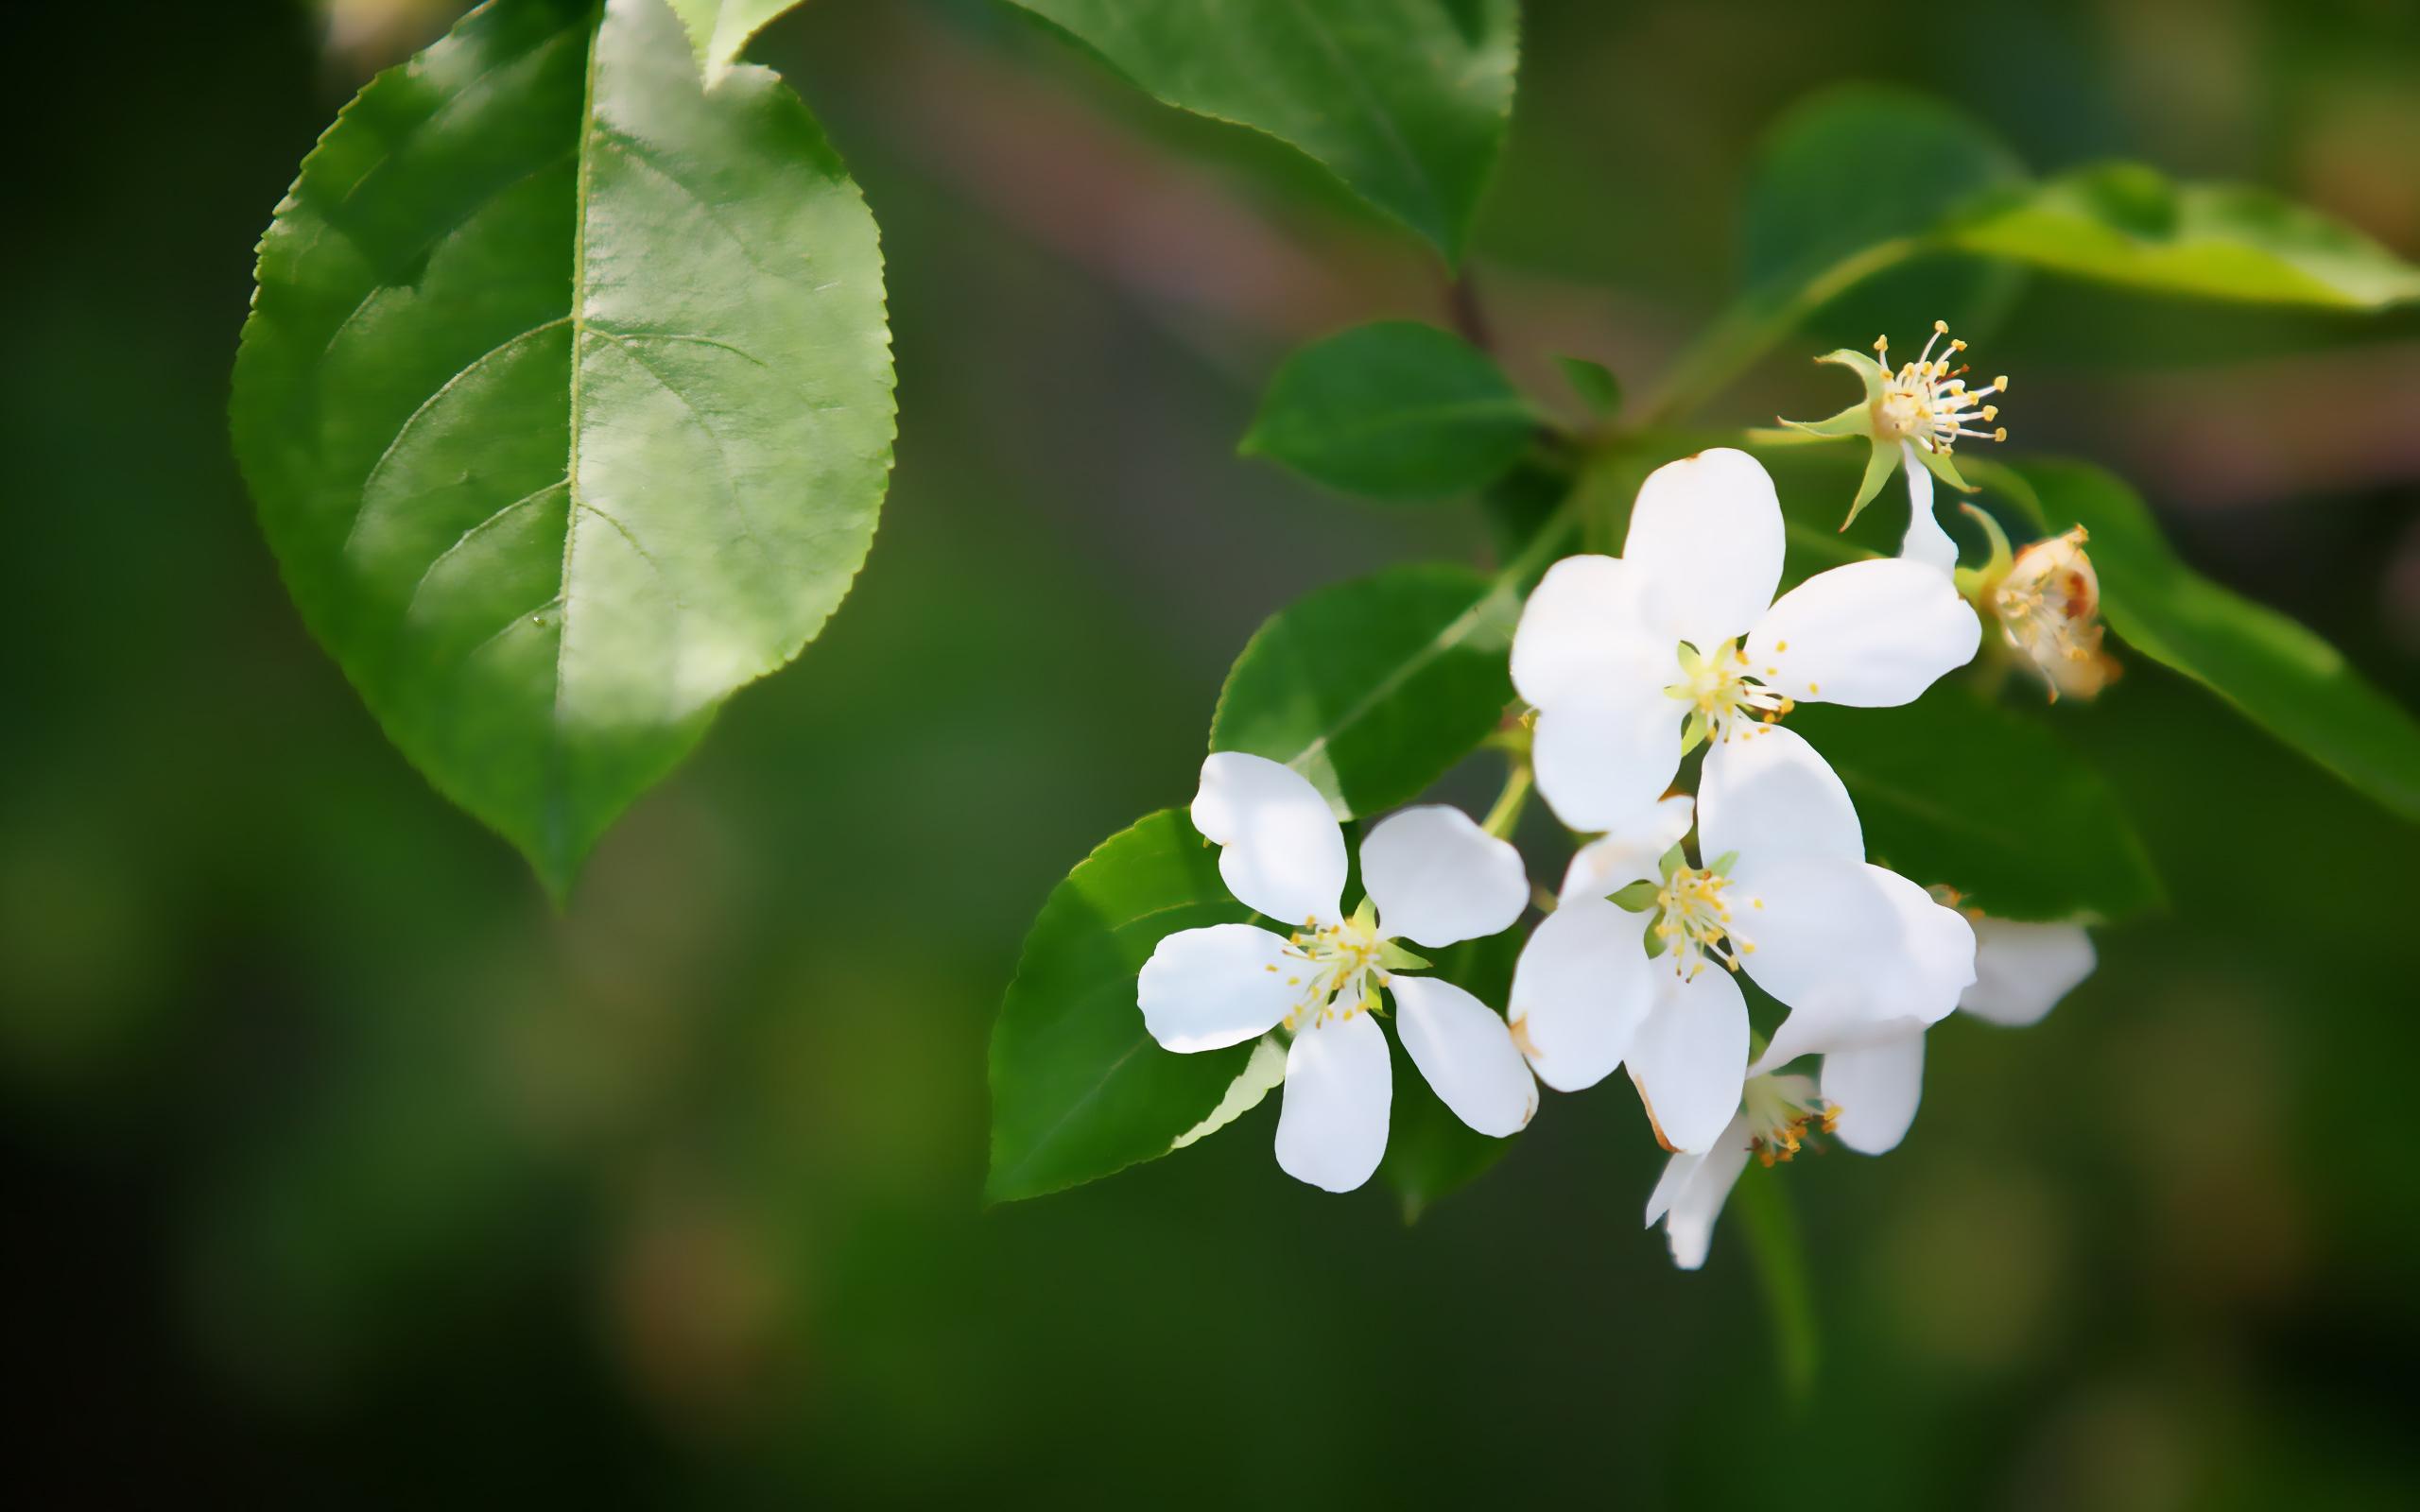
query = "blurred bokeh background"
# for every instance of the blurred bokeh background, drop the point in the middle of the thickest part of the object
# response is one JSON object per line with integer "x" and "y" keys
{"x": 341, "y": 1169}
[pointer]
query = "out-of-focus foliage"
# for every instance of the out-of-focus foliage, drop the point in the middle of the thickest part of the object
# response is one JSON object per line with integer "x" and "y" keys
{"x": 345, "y": 1173}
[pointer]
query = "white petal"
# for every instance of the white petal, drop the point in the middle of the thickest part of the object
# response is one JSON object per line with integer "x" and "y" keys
{"x": 2022, "y": 971}
{"x": 1604, "y": 754}
{"x": 1438, "y": 878}
{"x": 1871, "y": 634}
{"x": 1629, "y": 852}
{"x": 1907, "y": 983}
{"x": 1207, "y": 988}
{"x": 1466, "y": 1054}
{"x": 1813, "y": 931}
{"x": 1284, "y": 854}
{"x": 1691, "y": 1056}
{"x": 1580, "y": 629}
{"x": 1705, "y": 538}
{"x": 1924, "y": 541}
{"x": 1767, "y": 793}
{"x": 1691, "y": 1195}
{"x": 1332, "y": 1123}
{"x": 1875, "y": 1090}
{"x": 1580, "y": 992}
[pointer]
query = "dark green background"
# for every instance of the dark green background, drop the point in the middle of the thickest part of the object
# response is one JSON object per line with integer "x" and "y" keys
{"x": 341, "y": 1171}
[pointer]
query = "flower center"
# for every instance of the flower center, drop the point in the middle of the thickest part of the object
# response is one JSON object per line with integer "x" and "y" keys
{"x": 1779, "y": 1111}
{"x": 1693, "y": 921}
{"x": 1927, "y": 401}
{"x": 1721, "y": 694}
{"x": 1338, "y": 975}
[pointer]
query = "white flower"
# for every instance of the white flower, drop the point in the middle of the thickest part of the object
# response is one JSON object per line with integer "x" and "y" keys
{"x": 2021, "y": 971}
{"x": 1432, "y": 877}
{"x": 1782, "y": 891}
{"x": 1868, "y": 1096}
{"x": 1774, "y": 1113}
{"x": 1619, "y": 654}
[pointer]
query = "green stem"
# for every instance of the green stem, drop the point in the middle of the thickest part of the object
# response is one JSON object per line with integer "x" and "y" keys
{"x": 1752, "y": 327}
{"x": 1781, "y": 1276}
{"x": 1501, "y": 819}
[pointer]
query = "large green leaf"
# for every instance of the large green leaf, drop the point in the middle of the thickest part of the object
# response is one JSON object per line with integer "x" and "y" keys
{"x": 2284, "y": 678}
{"x": 1956, "y": 791}
{"x": 719, "y": 28}
{"x": 1078, "y": 1089}
{"x": 2126, "y": 223}
{"x": 566, "y": 400}
{"x": 1374, "y": 688}
{"x": 1403, "y": 100}
{"x": 1857, "y": 165}
{"x": 1393, "y": 410}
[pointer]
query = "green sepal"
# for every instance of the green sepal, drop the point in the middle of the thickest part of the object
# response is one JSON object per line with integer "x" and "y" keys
{"x": 1857, "y": 419}
{"x": 1943, "y": 466}
{"x": 1723, "y": 862}
{"x": 1974, "y": 582}
{"x": 1878, "y": 468}
{"x": 1396, "y": 959}
{"x": 1873, "y": 374}
{"x": 1365, "y": 917}
{"x": 1637, "y": 898}
{"x": 1672, "y": 861}
{"x": 1654, "y": 943}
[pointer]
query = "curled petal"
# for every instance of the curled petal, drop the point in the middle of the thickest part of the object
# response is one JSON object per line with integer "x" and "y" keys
{"x": 1604, "y": 754}
{"x": 1767, "y": 793}
{"x": 1629, "y": 852}
{"x": 2022, "y": 971}
{"x": 1690, "y": 1195}
{"x": 1283, "y": 854}
{"x": 1924, "y": 541}
{"x": 1580, "y": 629}
{"x": 1438, "y": 878}
{"x": 1706, "y": 536}
{"x": 1866, "y": 991}
{"x": 1208, "y": 988}
{"x": 1875, "y": 1090}
{"x": 1580, "y": 992}
{"x": 1332, "y": 1125}
{"x": 1691, "y": 1056}
{"x": 1871, "y": 634}
{"x": 1465, "y": 1053}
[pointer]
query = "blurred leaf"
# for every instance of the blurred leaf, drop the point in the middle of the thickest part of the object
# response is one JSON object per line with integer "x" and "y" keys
{"x": 1954, "y": 790}
{"x": 1593, "y": 382}
{"x": 1374, "y": 688}
{"x": 1856, "y": 166}
{"x": 1780, "y": 1259}
{"x": 1432, "y": 1153}
{"x": 1393, "y": 410}
{"x": 566, "y": 400}
{"x": 719, "y": 28}
{"x": 1405, "y": 100}
{"x": 1078, "y": 1089}
{"x": 2126, "y": 223}
{"x": 2282, "y": 676}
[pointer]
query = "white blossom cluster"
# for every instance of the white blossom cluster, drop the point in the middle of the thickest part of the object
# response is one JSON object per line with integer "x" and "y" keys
{"x": 1630, "y": 663}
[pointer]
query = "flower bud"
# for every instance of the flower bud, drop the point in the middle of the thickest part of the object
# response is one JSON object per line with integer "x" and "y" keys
{"x": 2048, "y": 606}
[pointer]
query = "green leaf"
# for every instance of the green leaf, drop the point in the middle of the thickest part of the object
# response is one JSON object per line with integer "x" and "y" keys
{"x": 1430, "y": 1152}
{"x": 1855, "y": 166}
{"x": 1393, "y": 410}
{"x": 1406, "y": 101}
{"x": 1593, "y": 382}
{"x": 2283, "y": 677}
{"x": 566, "y": 402}
{"x": 1079, "y": 1088}
{"x": 718, "y": 29}
{"x": 1956, "y": 791}
{"x": 2126, "y": 223}
{"x": 1780, "y": 1260}
{"x": 1374, "y": 688}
